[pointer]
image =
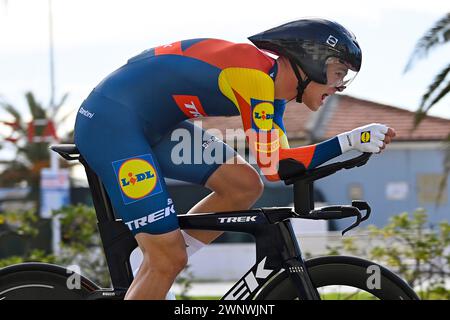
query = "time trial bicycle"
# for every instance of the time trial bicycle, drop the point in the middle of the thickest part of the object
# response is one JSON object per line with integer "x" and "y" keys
{"x": 280, "y": 271}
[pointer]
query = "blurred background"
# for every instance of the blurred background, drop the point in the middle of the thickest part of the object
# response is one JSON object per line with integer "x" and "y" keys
{"x": 52, "y": 53}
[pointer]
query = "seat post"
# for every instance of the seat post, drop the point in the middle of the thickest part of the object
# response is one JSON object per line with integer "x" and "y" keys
{"x": 117, "y": 240}
{"x": 100, "y": 197}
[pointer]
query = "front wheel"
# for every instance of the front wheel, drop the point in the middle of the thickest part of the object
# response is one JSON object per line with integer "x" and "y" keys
{"x": 41, "y": 281}
{"x": 340, "y": 277}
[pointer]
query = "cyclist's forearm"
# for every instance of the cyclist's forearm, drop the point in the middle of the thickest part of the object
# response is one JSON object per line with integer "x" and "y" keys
{"x": 269, "y": 150}
{"x": 313, "y": 155}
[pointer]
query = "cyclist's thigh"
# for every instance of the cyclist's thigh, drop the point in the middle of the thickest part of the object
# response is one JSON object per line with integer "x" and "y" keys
{"x": 189, "y": 153}
{"x": 110, "y": 138}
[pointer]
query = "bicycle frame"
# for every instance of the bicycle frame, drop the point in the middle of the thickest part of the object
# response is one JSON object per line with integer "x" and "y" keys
{"x": 276, "y": 246}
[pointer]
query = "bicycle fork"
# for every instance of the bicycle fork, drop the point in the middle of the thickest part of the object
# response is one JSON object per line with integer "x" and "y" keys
{"x": 276, "y": 249}
{"x": 294, "y": 264}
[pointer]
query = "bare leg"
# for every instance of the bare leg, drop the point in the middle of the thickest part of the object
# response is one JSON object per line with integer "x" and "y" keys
{"x": 235, "y": 186}
{"x": 164, "y": 258}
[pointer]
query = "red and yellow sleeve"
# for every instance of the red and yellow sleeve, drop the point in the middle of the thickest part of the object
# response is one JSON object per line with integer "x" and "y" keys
{"x": 252, "y": 92}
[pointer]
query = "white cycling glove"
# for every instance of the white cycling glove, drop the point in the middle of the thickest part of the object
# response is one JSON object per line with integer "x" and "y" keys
{"x": 367, "y": 138}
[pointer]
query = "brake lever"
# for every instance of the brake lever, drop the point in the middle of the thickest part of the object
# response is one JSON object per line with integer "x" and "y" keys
{"x": 354, "y": 225}
{"x": 362, "y": 205}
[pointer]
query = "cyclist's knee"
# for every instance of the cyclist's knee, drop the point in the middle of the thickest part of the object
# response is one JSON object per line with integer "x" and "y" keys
{"x": 179, "y": 262}
{"x": 253, "y": 186}
{"x": 246, "y": 183}
{"x": 241, "y": 178}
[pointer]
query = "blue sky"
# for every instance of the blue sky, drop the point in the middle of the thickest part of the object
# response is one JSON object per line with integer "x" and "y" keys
{"x": 94, "y": 37}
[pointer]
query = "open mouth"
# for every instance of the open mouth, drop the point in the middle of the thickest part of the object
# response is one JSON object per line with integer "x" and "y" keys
{"x": 324, "y": 96}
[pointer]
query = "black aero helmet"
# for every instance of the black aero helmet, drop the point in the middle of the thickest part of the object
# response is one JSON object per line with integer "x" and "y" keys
{"x": 311, "y": 44}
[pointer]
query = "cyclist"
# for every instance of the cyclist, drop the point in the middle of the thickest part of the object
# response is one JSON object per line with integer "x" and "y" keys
{"x": 124, "y": 129}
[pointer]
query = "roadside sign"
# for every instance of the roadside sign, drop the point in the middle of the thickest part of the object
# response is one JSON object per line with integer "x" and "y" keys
{"x": 55, "y": 188}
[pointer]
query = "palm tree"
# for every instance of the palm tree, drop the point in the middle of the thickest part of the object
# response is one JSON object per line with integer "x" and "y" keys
{"x": 29, "y": 158}
{"x": 438, "y": 35}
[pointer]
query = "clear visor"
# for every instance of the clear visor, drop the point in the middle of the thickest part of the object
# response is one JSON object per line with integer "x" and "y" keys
{"x": 339, "y": 73}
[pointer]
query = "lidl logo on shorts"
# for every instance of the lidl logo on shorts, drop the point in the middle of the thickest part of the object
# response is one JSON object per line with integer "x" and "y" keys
{"x": 263, "y": 114}
{"x": 365, "y": 136}
{"x": 137, "y": 178}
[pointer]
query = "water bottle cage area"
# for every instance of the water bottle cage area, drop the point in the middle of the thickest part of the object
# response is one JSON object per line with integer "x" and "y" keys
{"x": 293, "y": 172}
